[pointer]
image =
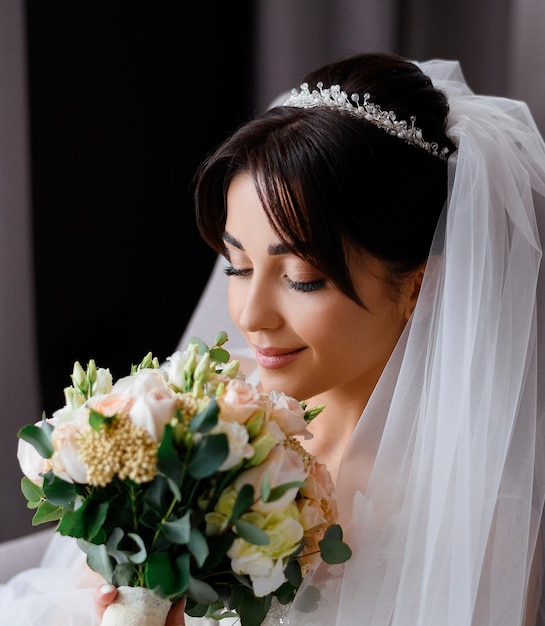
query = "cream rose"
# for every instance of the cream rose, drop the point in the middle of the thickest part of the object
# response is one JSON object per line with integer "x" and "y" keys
{"x": 281, "y": 466}
{"x": 65, "y": 462}
{"x": 175, "y": 368}
{"x": 152, "y": 403}
{"x": 238, "y": 441}
{"x": 32, "y": 464}
{"x": 265, "y": 563}
{"x": 241, "y": 401}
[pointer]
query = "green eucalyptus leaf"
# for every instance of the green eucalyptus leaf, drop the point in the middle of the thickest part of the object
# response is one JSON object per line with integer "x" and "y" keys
{"x": 59, "y": 491}
{"x": 210, "y": 453}
{"x": 206, "y": 419}
{"x": 201, "y": 592}
{"x": 334, "y": 532}
{"x": 32, "y": 492}
{"x": 252, "y": 534}
{"x": 86, "y": 522}
{"x": 182, "y": 573}
{"x": 218, "y": 549}
{"x": 277, "y": 492}
{"x": 195, "y": 609}
{"x": 158, "y": 572}
{"x": 198, "y": 546}
{"x": 46, "y": 512}
{"x": 253, "y": 610}
{"x": 293, "y": 573}
{"x": 140, "y": 555}
{"x": 168, "y": 460}
{"x": 39, "y": 438}
{"x": 202, "y": 347}
{"x": 124, "y": 574}
{"x": 221, "y": 338}
{"x": 157, "y": 496}
{"x": 332, "y": 548}
{"x": 174, "y": 488}
{"x": 178, "y": 531}
{"x": 99, "y": 561}
{"x": 220, "y": 355}
{"x": 244, "y": 501}
{"x": 334, "y": 551}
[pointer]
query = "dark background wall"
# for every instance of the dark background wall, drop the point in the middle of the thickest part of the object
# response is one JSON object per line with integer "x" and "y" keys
{"x": 125, "y": 101}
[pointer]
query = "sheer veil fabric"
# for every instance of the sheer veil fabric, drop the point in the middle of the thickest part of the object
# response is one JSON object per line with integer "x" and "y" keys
{"x": 442, "y": 483}
{"x": 441, "y": 487}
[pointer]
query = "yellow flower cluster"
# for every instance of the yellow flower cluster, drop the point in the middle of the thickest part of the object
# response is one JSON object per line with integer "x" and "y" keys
{"x": 119, "y": 448}
{"x": 189, "y": 405}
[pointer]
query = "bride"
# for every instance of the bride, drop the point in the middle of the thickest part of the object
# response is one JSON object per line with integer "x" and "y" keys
{"x": 383, "y": 258}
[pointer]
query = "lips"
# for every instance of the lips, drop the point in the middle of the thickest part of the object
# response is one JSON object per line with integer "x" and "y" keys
{"x": 274, "y": 358}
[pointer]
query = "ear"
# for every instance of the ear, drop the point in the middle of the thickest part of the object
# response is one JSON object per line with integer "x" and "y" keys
{"x": 412, "y": 290}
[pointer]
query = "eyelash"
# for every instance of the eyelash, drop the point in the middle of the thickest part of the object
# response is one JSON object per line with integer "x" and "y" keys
{"x": 304, "y": 287}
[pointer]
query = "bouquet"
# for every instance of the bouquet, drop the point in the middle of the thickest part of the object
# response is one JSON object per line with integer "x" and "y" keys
{"x": 185, "y": 480}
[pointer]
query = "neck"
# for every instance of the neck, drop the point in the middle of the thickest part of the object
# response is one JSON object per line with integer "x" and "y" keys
{"x": 332, "y": 428}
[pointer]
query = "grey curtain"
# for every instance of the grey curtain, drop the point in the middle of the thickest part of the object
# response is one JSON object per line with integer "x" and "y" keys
{"x": 19, "y": 391}
{"x": 500, "y": 43}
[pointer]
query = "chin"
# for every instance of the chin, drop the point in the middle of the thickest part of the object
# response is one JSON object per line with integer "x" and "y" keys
{"x": 273, "y": 380}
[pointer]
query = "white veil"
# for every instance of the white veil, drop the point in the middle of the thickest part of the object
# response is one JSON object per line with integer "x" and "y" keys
{"x": 445, "y": 524}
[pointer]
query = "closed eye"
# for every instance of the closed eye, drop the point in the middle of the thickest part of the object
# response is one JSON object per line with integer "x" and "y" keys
{"x": 301, "y": 286}
{"x": 307, "y": 286}
{"x": 231, "y": 271}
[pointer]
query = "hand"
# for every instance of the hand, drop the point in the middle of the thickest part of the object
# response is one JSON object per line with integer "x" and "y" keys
{"x": 106, "y": 594}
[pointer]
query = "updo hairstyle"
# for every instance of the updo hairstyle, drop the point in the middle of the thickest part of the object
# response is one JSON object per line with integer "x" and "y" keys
{"x": 330, "y": 182}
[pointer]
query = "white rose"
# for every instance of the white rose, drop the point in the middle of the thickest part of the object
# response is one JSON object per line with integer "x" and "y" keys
{"x": 238, "y": 440}
{"x": 154, "y": 404}
{"x": 175, "y": 368}
{"x": 103, "y": 383}
{"x": 32, "y": 464}
{"x": 65, "y": 461}
{"x": 263, "y": 585}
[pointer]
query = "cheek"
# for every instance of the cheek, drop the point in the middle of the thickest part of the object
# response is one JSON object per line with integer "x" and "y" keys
{"x": 235, "y": 301}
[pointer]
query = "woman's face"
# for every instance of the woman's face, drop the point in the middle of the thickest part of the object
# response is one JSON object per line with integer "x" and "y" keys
{"x": 308, "y": 337}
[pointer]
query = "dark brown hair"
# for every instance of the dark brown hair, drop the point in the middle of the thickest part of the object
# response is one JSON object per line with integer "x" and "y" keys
{"x": 329, "y": 181}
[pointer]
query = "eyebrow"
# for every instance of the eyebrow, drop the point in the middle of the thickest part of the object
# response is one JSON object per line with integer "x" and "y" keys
{"x": 273, "y": 250}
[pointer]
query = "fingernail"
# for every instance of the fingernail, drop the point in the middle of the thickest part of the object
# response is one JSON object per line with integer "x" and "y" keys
{"x": 105, "y": 589}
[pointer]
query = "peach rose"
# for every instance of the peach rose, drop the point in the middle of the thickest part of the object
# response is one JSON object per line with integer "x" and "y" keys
{"x": 288, "y": 413}
{"x": 319, "y": 482}
{"x": 241, "y": 401}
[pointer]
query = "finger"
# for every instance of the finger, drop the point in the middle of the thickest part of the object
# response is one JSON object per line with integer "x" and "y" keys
{"x": 176, "y": 614}
{"x": 104, "y": 596}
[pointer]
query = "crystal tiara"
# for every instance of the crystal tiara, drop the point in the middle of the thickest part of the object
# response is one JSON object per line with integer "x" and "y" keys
{"x": 335, "y": 98}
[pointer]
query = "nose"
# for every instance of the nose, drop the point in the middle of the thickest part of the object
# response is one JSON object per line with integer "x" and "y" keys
{"x": 254, "y": 304}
